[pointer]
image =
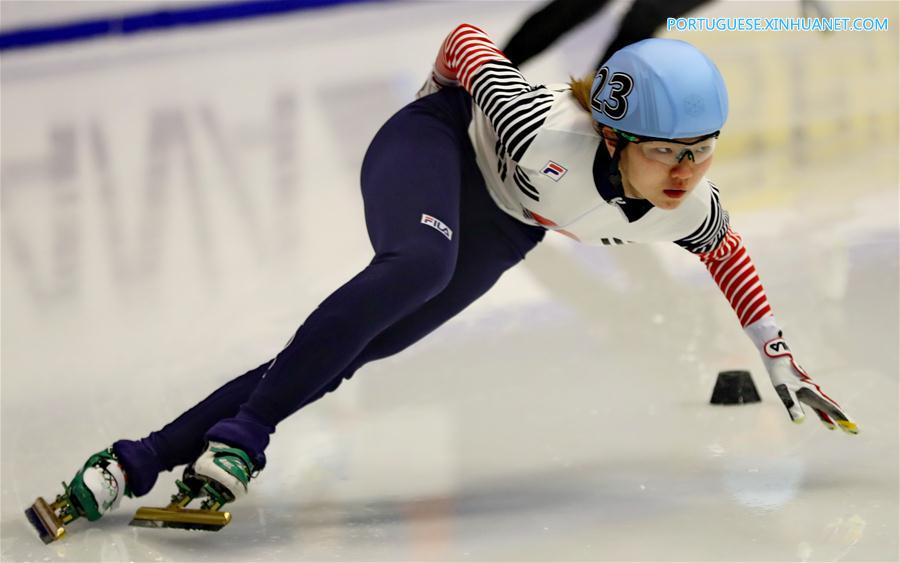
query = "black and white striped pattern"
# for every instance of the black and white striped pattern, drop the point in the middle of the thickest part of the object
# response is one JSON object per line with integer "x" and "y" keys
{"x": 524, "y": 184}
{"x": 612, "y": 241}
{"x": 711, "y": 232}
{"x": 501, "y": 162}
{"x": 515, "y": 108}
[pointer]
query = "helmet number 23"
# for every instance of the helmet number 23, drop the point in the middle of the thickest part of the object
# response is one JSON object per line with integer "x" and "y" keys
{"x": 620, "y": 85}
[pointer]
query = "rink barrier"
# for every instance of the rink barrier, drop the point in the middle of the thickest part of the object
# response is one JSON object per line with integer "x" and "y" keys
{"x": 144, "y": 22}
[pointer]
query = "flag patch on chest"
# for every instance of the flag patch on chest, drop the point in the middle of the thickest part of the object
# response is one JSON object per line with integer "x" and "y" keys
{"x": 438, "y": 225}
{"x": 554, "y": 171}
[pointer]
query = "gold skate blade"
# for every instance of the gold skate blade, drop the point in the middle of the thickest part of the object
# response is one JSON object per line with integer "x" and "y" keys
{"x": 181, "y": 518}
{"x": 44, "y": 520}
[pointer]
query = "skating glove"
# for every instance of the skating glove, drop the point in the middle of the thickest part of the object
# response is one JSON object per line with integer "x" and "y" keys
{"x": 792, "y": 383}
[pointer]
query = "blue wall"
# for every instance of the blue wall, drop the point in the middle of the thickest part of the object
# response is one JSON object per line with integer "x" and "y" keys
{"x": 143, "y": 22}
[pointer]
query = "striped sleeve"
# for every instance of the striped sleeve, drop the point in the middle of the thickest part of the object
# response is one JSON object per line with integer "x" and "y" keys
{"x": 733, "y": 270}
{"x": 722, "y": 251}
{"x": 515, "y": 108}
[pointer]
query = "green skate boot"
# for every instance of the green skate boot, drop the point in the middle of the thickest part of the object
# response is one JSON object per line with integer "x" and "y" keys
{"x": 220, "y": 475}
{"x": 97, "y": 488}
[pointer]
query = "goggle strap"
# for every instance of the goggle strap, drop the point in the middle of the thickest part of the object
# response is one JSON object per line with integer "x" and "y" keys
{"x": 635, "y": 139}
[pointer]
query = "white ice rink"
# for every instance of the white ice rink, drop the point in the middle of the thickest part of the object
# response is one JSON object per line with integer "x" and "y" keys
{"x": 175, "y": 204}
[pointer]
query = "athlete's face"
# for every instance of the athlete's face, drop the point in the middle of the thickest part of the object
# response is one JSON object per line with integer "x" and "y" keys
{"x": 663, "y": 185}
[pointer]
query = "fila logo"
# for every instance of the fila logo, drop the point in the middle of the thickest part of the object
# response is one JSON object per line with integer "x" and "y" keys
{"x": 554, "y": 171}
{"x": 438, "y": 225}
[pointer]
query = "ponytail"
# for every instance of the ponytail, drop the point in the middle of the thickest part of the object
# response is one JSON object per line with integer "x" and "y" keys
{"x": 581, "y": 89}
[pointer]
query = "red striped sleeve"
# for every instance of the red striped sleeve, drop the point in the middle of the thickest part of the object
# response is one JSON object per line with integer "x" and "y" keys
{"x": 465, "y": 50}
{"x": 733, "y": 270}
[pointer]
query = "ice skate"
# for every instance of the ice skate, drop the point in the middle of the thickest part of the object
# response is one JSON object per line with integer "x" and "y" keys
{"x": 97, "y": 488}
{"x": 220, "y": 475}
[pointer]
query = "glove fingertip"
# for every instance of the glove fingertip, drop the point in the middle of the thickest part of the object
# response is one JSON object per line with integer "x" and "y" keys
{"x": 795, "y": 411}
{"x": 826, "y": 420}
{"x": 848, "y": 426}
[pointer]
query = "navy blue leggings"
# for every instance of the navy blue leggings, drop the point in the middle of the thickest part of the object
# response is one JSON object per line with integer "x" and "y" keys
{"x": 420, "y": 163}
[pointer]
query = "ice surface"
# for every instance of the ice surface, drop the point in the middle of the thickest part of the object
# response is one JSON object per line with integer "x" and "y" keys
{"x": 173, "y": 206}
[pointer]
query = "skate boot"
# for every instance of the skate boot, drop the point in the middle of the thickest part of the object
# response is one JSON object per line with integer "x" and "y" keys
{"x": 220, "y": 475}
{"x": 97, "y": 488}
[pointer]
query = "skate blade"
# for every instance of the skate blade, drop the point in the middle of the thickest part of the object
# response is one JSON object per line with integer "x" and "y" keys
{"x": 181, "y": 518}
{"x": 44, "y": 520}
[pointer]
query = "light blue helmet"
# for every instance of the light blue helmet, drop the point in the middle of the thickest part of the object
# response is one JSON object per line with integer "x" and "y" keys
{"x": 662, "y": 88}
